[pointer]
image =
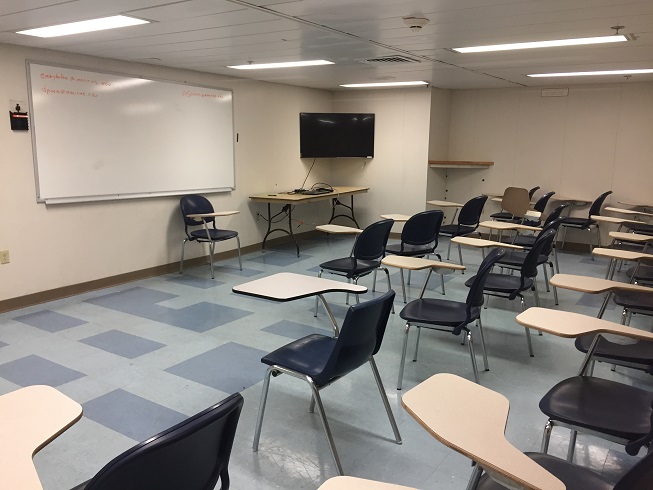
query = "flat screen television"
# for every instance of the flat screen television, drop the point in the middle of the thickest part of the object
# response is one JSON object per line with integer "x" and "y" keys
{"x": 336, "y": 135}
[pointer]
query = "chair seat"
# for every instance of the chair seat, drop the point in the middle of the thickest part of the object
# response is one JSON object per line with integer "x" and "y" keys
{"x": 409, "y": 250}
{"x": 437, "y": 312}
{"x": 611, "y": 408}
{"x": 516, "y": 259}
{"x": 504, "y": 216}
{"x": 574, "y": 477}
{"x": 640, "y": 352}
{"x": 307, "y": 356}
{"x": 635, "y": 300}
{"x": 578, "y": 222}
{"x": 643, "y": 228}
{"x": 644, "y": 273}
{"x": 216, "y": 235}
{"x": 456, "y": 230}
{"x": 503, "y": 283}
{"x": 525, "y": 241}
{"x": 349, "y": 266}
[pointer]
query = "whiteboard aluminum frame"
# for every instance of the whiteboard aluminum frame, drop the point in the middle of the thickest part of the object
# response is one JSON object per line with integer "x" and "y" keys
{"x": 113, "y": 197}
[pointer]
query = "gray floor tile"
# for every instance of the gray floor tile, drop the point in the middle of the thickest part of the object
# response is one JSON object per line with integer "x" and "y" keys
{"x": 293, "y": 330}
{"x": 193, "y": 281}
{"x": 34, "y": 370}
{"x": 123, "y": 344}
{"x": 280, "y": 259}
{"x": 50, "y": 321}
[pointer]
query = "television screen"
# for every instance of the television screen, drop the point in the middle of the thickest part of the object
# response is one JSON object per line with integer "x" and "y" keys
{"x": 336, "y": 135}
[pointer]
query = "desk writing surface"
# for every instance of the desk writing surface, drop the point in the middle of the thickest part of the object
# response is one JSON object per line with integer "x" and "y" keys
{"x": 612, "y": 219}
{"x": 506, "y": 225}
{"x": 616, "y": 253}
{"x": 396, "y": 217}
{"x": 351, "y": 483}
{"x": 285, "y": 198}
{"x": 288, "y": 286}
{"x": 630, "y": 237}
{"x": 418, "y": 263}
{"x": 339, "y": 229}
{"x": 570, "y": 325}
{"x": 482, "y": 243}
{"x": 30, "y": 418}
{"x": 577, "y": 201}
{"x": 211, "y": 215}
{"x": 445, "y": 204}
{"x": 471, "y": 419}
{"x": 633, "y": 212}
{"x": 593, "y": 285}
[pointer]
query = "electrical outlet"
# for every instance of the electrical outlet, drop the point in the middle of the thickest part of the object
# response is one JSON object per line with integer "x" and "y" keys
{"x": 4, "y": 256}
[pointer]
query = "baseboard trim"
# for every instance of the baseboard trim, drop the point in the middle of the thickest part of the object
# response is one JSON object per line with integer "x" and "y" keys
{"x": 111, "y": 281}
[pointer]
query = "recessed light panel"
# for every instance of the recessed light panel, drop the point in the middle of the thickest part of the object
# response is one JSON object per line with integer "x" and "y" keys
{"x": 592, "y": 73}
{"x": 384, "y": 84}
{"x": 92, "y": 25}
{"x": 544, "y": 44}
{"x": 289, "y": 64}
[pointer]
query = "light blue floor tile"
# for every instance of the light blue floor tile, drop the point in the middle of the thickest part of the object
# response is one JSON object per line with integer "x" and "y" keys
{"x": 123, "y": 344}
{"x": 280, "y": 259}
{"x": 193, "y": 281}
{"x": 292, "y": 330}
{"x": 34, "y": 370}
{"x": 50, "y": 321}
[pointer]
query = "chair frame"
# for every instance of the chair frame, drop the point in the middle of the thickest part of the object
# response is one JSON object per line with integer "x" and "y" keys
{"x": 595, "y": 209}
{"x": 203, "y": 222}
{"x": 276, "y": 370}
{"x": 462, "y": 215}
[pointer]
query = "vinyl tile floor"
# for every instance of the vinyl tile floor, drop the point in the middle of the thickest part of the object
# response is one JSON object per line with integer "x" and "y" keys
{"x": 143, "y": 356}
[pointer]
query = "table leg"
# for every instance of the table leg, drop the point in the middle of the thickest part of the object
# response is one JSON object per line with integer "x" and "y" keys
{"x": 335, "y": 202}
{"x": 336, "y": 331}
{"x": 286, "y": 208}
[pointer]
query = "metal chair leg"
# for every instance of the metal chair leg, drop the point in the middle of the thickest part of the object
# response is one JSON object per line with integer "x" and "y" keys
{"x": 181, "y": 262}
{"x": 528, "y": 332}
{"x": 589, "y": 230}
{"x": 442, "y": 282}
{"x": 240, "y": 259}
{"x": 319, "y": 274}
{"x": 384, "y": 398}
{"x": 564, "y": 236}
{"x": 261, "y": 408}
{"x": 374, "y": 281}
{"x": 572, "y": 446}
{"x": 546, "y": 278}
{"x": 408, "y": 281}
{"x": 555, "y": 289}
{"x": 460, "y": 254}
{"x": 403, "y": 286}
{"x": 419, "y": 331}
{"x": 470, "y": 344}
{"x": 546, "y": 436}
{"x": 475, "y": 479}
{"x": 358, "y": 297}
{"x": 211, "y": 250}
{"x": 479, "y": 324}
{"x": 325, "y": 423}
{"x": 449, "y": 249}
{"x": 403, "y": 356}
{"x": 387, "y": 276}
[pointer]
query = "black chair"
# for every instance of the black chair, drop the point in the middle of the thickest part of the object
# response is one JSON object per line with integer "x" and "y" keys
{"x": 450, "y": 316}
{"x": 419, "y": 238}
{"x": 515, "y": 203}
{"x": 532, "y": 192}
{"x": 638, "y": 477}
{"x": 192, "y": 455}
{"x": 540, "y": 206}
{"x": 320, "y": 360}
{"x": 468, "y": 220}
{"x": 586, "y": 223}
{"x": 365, "y": 257}
{"x": 527, "y": 241}
{"x": 196, "y": 204}
{"x": 511, "y": 286}
{"x": 514, "y": 259}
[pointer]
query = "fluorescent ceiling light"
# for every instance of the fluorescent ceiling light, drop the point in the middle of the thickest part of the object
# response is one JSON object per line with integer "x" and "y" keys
{"x": 383, "y": 84}
{"x": 289, "y": 64}
{"x": 544, "y": 44}
{"x": 101, "y": 24}
{"x": 591, "y": 73}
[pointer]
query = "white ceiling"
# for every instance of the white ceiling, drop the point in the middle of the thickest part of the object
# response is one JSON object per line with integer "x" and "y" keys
{"x": 208, "y": 35}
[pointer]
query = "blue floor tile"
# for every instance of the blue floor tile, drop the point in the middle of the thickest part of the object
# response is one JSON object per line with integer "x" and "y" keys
{"x": 50, "y": 321}
{"x": 194, "y": 281}
{"x": 280, "y": 259}
{"x": 122, "y": 344}
{"x": 34, "y": 370}
{"x": 131, "y": 415}
{"x": 293, "y": 330}
{"x": 219, "y": 269}
{"x": 229, "y": 368}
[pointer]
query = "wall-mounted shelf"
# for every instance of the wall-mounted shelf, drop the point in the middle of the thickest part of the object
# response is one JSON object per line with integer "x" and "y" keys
{"x": 458, "y": 164}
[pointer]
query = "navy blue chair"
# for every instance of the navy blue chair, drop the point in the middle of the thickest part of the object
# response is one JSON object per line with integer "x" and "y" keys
{"x": 419, "y": 238}
{"x": 468, "y": 220}
{"x": 192, "y": 455}
{"x": 586, "y": 223}
{"x": 320, "y": 360}
{"x": 196, "y": 204}
{"x": 450, "y": 316}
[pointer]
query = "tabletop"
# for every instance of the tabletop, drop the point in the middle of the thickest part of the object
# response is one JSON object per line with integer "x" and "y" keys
{"x": 630, "y": 237}
{"x": 211, "y": 215}
{"x": 575, "y": 200}
{"x": 285, "y": 198}
{"x": 351, "y": 483}
{"x": 471, "y": 419}
{"x": 288, "y": 286}
{"x": 615, "y": 253}
{"x": 636, "y": 204}
{"x": 482, "y": 243}
{"x": 30, "y": 418}
{"x": 506, "y": 225}
{"x": 593, "y": 285}
{"x": 627, "y": 211}
{"x": 339, "y": 229}
{"x": 612, "y": 219}
{"x": 570, "y": 325}
{"x": 445, "y": 204}
{"x": 396, "y": 217}
{"x": 418, "y": 263}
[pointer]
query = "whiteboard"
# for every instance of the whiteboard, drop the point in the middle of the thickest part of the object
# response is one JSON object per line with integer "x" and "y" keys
{"x": 100, "y": 136}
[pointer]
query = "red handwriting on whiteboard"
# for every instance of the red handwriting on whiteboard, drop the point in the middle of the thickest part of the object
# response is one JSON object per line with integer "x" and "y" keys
{"x": 60, "y": 91}
{"x": 91, "y": 81}
{"x": 207, "y": 95}
{"x": 54, "y": 76}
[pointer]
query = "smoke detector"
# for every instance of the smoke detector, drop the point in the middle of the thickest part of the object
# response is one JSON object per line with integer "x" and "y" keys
{"x": 415, "y": 23}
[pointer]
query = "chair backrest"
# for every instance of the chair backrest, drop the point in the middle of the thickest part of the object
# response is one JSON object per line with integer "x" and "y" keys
{"x": 470, "y": 213}
{"x": 639, "y": 476}
{"x": 556, "y": 213}
{"x": 541, "y": 203}
{"x": 532, "y": 192}
{"x": 551, "y": 225}
{"x": 192, "y": 455}
{"x": 194, "y": 204}
{"x": 595, "y": 208}
{"x": 370, "y": 244}
{"x": 422, "y": 228}
{"x": 360, "y": 337}
{"x": 516, "y": 201}
{"x": 475, "y": 295}
{"x": 543, "y": 242}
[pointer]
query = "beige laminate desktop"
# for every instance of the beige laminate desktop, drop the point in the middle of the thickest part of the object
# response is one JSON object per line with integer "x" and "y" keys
{"x": 30, "y": 418}
{"x": 416, "y": 264}
{"x": 446, "y": 204}
{"x": 482, "y": 243}
{"x": 351, "y": 483}
{"x": 471, "y": 420}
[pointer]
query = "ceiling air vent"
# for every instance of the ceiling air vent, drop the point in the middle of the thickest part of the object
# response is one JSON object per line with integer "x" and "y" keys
{"x": 389, "y": 60}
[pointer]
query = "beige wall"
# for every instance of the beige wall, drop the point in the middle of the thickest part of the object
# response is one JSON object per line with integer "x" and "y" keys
{"x": 598, "y": 138}
{"x": 56, "y": 246}
{"x": 397, "y": 174}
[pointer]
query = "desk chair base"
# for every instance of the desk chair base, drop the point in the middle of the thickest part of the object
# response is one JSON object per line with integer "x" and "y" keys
{"x": 211, "y": 253}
